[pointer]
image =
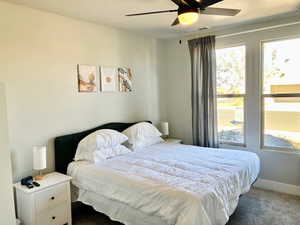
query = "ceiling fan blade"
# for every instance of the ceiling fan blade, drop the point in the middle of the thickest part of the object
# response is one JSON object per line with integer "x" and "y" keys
{"x": 154, "y": 12}
{"x": 176, "y": 22}
{"x": 206, "y": 3}
{"x": 192, "y": 3}
{"x": 179, "y": 2}
{"x": 220, "y": 11}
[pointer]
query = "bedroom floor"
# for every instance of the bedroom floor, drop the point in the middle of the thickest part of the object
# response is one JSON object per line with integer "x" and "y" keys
{"x": 258, "y": 207}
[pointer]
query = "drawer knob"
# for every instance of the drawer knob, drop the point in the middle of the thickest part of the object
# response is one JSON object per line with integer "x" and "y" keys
{"x": 52, "y": 198}
{"x": 53, "y": 217}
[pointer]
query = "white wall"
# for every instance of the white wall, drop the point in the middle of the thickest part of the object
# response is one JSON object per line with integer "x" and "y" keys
{"x": 7, "y": 215}
{"x": 277, "y": 166}
{"x": 39, "y": 54}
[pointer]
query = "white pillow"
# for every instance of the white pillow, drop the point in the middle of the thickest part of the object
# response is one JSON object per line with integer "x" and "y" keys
{"x": 107, "y": 153}
{"x": 142, "y": 135}
{"x": 108, "y": 138}
{"x": 140, "y": 144}
{"x": 100, "y": 139}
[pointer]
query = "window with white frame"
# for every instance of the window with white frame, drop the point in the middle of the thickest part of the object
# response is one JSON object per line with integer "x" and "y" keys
{"x": 231, "y": 88}
{"x": 281, "y": 94}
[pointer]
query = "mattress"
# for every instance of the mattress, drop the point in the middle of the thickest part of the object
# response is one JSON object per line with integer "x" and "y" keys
{"x": 176, "y": 184}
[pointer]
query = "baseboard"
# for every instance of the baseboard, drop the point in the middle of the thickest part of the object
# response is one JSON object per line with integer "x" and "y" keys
{"x": 277, "y": 186}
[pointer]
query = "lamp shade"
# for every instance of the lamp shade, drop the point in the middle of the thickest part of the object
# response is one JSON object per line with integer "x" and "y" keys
{"x": 164, "y": 128}
{"x": 39, "y": 157}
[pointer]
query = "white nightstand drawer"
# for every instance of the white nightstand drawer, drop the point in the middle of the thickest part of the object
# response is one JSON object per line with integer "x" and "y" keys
{"x": 51, "y": 197}
{"x": 56, "y": 216}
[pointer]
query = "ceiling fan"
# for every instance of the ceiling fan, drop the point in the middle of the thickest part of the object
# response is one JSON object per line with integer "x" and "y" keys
{"x": 188, "y": 11}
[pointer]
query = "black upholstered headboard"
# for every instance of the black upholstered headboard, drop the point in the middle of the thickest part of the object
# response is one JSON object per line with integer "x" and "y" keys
{"x": 65, "y": 146}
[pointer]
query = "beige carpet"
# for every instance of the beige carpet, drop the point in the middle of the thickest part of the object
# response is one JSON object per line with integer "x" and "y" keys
{"x": 258, "y": 207}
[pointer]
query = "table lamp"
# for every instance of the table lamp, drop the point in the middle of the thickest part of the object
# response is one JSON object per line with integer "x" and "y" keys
{"x": 39, "y": 160}
{"x": 164, "y": 129}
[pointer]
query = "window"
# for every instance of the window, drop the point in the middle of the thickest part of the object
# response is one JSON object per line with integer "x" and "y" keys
{"x": 281, "y": 94}
{"x": 231, "y": 79}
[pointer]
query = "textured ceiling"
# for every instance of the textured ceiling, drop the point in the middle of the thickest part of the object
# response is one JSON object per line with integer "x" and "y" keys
{"x": 112, "y": 12}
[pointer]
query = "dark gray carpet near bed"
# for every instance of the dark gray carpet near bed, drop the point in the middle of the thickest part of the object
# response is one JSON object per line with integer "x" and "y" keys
{"x": 258, "y": 207}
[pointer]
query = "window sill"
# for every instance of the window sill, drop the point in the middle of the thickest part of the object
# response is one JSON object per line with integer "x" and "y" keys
{"x": 281, "y": 150}
{"x": 233, "y": 146}
{"x": 243, "y": 147}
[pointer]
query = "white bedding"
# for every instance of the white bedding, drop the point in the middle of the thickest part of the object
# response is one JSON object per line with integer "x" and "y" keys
{"x": 117, "y": 210}
{"x": 180, "y": 184}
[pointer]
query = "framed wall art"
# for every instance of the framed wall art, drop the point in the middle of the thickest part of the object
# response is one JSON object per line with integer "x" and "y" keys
{"x": 125, "y": 79}
{"x": 87, "y": 78}
{"x": 108, "y": 79}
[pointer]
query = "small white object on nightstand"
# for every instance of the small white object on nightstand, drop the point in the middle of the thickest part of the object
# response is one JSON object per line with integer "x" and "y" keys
{"x": 48, "y": 204}
{"x": 173, "y": 141}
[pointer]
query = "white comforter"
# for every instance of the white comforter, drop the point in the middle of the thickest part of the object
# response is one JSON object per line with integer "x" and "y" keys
{"x": 181, "y": 184}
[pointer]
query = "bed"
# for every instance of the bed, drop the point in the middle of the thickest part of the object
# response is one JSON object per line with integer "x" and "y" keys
{"x": 164, "y": 184}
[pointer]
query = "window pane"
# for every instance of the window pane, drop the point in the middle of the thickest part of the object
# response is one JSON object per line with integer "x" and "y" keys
{"x": 231, "y": 70}
{"x": 281, "y": 66}
{"x": 282, "y": 123}
{"x": 231, "y": 120}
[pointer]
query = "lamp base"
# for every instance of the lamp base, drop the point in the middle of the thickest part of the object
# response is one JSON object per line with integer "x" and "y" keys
{"x": 39, "y": 177}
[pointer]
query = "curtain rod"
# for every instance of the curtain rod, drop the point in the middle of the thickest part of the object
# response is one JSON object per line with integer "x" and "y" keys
{"x": 252, "y": 30}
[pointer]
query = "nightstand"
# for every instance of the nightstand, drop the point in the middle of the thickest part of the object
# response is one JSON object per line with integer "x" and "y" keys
{"x": 173, "y": 141}
{"x": 48, "y": 204}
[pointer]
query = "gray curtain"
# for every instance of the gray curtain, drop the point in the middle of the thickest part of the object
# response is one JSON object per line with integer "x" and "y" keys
{"x": 203, "y": 60}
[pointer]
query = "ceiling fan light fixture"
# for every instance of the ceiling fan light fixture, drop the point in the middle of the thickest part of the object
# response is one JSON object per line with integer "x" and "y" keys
{"x": 187, "y": 17}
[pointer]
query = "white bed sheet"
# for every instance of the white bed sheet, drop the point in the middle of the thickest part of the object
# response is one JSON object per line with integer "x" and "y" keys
{"x": 117, "y": 210}
{"x": 179, "y": 184}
